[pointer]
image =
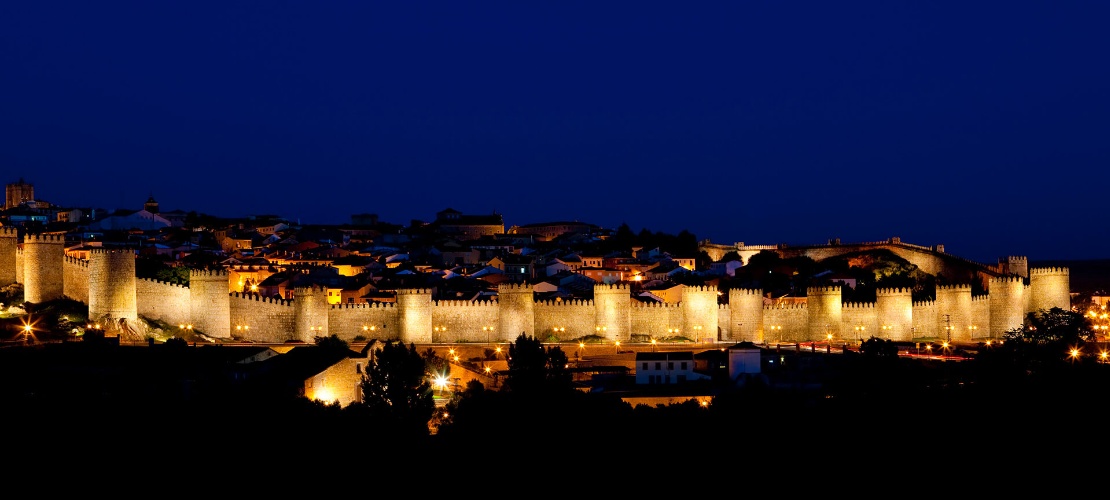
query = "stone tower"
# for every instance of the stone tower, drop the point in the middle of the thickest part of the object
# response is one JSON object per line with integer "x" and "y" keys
{"x": 42, "y": 267}
{"x": 699, "y": 312}
{"x": 112, "y": 285}
{"x": 613, "y": 311}
{"x": 415, "y": 315}
{"x": 17, "y": 193}
{"x": 953, "y": 313}
{"x": 210, "y": 302}
{"x": 746, "y": 309}
{"x": 310, "y": 313}
{"x": 515, "y": 311}
{"x": 1007, "y": 304}
{"x": 825, "y": 312}
{"x": 1048, "y": 288}
{"x": 894, "y": 308}
{"x": 9, "y": 242}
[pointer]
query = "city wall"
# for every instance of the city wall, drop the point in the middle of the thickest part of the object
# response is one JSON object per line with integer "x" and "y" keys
{"x": 611, "y": 315}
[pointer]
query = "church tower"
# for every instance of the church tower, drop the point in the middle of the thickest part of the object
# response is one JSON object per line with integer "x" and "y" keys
{"x": 151, "y": 205}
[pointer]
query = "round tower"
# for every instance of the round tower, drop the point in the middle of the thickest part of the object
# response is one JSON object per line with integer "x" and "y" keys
{"x": 515, "y": 310}
{"x": 112, "y": 285}
{"x": 1007, "y": 304}
{"x": 746, "y": 309}
{"x": 42, "y": 267}
{"x": 9, "y": 242}
{"x": 894, "y": 310}
{"x": 954, "y": 317}
{"x": 310, "y": 313}
{"x": 613, "y": 311}
{"x": 699, "y": 312}
{"x": 210, "y": 302}
{"x": 414, "y": 312}
{"x": 824, "y": 311}
{"x": 1049, "y": 287}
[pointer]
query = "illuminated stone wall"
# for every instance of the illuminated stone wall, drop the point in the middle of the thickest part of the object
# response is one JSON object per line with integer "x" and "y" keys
{"x": 75, "y": 278}
{"x": 746, "y": 311}
{"x": 42, "y": 267}
{"x": 209, "y": 302}
{"x": 46, "y": 273}
{"x": 111, "y": 285}
{"x": 563, "y": 320}
{"x": 1049, "y": 288}
{"x": 9, "y": 243}
{"x": 163, "y": 301}
{"x": 261, "y": 319}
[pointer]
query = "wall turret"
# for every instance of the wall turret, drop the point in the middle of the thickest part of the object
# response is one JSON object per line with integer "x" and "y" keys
{"x": 42, "y": 267}
{"x": 310, "y": 313}
{"x": 112, "y": 285}
{"x": 1007, "y": 304}
{"x": 516, "y": 311}
{"x": 894, "y": 308}
{"x": 1049, "y": 287}
{"x": 613, "y": 311}
{"x": 9, "y": 242}
{"x": 954, "y": 317}
{"x": 825, "y": 312}
{"x": 415, "y": 305}
{"x": 699, "y": 312}
{"x": 746, "y": 310}
{"x": 210, "y": 302}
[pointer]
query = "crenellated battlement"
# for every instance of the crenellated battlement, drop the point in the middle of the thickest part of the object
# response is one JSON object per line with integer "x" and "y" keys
{"x": 47, "y": 239}
{"x": 254, "y": 297}
{"x": 567, "y": 302}
{"x": 207, "y": 273}
{"x": 784, "y": 305}
{"x": 517, "y": 287}
{"x": 160, "y": 282}
{"x": 816, "y": 290}
{"x": 926, "y": 303}
{"x": 413, "y": 291}
{"x": 9, "y": 232}
{"x": 305, "y": 290}
{"x": 75, "y": 261}
{"x": 366, "y": 305}
{"x": 613, "y": 287}
{"x": 956, "y": 288}
{"x": 1006, "y": 279}
{"x": 656, "y": 305}
{"x": 106, "y": 251}
{"x": 746, "y": 291}
{"x": 702, "y": 288}
{"x": 894, "y": 291}
{"x": 1045, "y": 271}
{"x": 464, "y": 303}
{"x": 859, "y": 305}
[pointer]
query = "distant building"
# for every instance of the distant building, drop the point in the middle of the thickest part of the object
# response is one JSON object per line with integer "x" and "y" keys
{"x": 17, "y": 193}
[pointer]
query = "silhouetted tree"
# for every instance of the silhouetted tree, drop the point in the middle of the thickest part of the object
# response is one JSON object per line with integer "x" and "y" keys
{"x": 396, "y": 391}
{"x": 332, "y": 343}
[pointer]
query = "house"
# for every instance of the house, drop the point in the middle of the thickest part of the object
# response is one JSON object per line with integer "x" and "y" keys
{"x": 666, "y": 367}
{"x": 517, "y": 268}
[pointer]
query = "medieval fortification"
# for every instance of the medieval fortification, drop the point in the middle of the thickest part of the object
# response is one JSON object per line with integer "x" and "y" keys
{"x": 108, "y": 284}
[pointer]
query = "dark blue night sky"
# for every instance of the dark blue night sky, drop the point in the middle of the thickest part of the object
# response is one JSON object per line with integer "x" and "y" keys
{"x": 978, "y": 125}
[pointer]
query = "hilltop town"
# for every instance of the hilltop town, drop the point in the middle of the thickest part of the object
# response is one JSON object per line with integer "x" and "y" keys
{"x": 468, "y": 278}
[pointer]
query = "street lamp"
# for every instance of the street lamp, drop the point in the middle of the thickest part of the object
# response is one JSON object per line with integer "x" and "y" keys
{"x": 859, "y": 333}
{"x": 617, "y": 345}
{"x": 653, "y": 344}
{"x": 697, "y": 333}
{"x": 487, "y": 329}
